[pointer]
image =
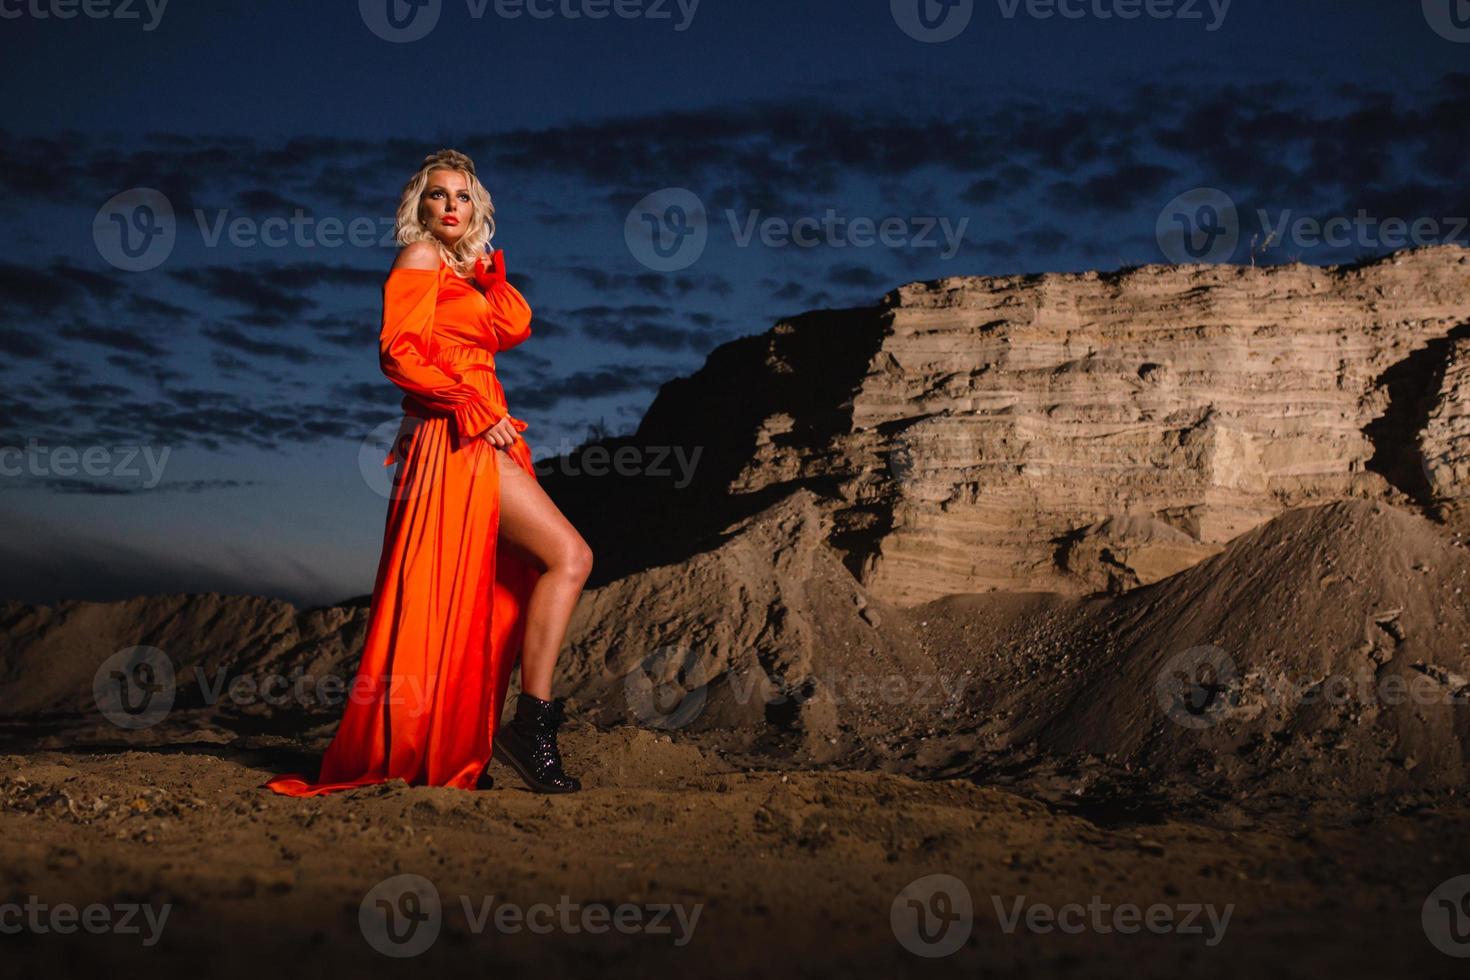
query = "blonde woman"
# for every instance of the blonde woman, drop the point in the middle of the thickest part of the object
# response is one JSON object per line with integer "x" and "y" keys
{"x": 479, "y": 568}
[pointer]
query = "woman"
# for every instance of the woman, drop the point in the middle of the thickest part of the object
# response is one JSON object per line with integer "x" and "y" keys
{"x": 479, "y": 568}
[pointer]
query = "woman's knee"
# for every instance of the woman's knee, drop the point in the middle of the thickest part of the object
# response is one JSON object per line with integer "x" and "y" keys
{"x": 576, "y": 558}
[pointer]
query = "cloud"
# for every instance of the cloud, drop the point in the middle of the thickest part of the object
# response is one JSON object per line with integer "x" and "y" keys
{"x": 793, "y": 293}
{"x": 240, "y": 341}
{"x": 638, "y": 326}
{"x": 1066, "y": 180}
{"x": 116, "y": 339}
{"x": 275, "y": 293}
{"x": 1266, "y": 138}
{"x": 848, "y": 274}
{"x": 652, "y": 283}
{"x": 22, "y": 343}
{"x": 46, "y": 290}
{"x": 600, "y": 383}
{"x": 1117, "y": 190}
{"x": 350, "y": 330}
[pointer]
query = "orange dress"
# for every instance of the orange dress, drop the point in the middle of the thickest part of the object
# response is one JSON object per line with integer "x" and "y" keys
{"x": 446, "y": 622}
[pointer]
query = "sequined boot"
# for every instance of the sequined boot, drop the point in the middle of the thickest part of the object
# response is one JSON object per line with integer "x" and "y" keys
{"x": 528, "y": 745}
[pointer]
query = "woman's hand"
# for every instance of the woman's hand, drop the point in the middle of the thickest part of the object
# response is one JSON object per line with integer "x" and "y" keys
{"x": 490, "y": 268}
{"x": 502, "y": 433}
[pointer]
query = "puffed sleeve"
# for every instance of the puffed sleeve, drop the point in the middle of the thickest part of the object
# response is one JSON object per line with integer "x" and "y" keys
{"x": 405, "y": 346}
{"x": 510, "y": 314}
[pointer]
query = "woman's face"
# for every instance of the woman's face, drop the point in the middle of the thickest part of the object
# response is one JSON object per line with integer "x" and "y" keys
{"x": 446, "y": 206}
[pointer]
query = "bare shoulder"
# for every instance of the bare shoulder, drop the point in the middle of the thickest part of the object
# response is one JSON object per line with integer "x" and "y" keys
{"x": 417, "y": 255}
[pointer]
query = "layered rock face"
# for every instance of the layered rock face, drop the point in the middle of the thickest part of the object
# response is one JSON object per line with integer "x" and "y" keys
{"x": 1077, "y": 432}
{"x": 1444, "y": 443}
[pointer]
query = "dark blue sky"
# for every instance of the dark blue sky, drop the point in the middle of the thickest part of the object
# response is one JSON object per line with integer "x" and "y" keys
{"x": 1039, "y": 136}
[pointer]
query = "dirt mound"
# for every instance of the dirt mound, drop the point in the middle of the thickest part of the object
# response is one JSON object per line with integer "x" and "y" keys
{"x": 201, "y": 664}
{"x": 1328, "y": 650}
{"x": 751, "y": 636}
{"x": 747, "y": 639}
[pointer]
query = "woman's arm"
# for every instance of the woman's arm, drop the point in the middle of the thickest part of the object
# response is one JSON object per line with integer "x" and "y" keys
{"x": 405, "y": 343}
{"x": 510, "y": 314}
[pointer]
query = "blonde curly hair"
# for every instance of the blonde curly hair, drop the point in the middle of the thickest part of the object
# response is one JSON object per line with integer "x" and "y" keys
{"x": 409, "y": 226}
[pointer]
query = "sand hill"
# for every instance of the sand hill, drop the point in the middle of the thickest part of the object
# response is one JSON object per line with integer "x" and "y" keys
{"x": 1327, "y": 651}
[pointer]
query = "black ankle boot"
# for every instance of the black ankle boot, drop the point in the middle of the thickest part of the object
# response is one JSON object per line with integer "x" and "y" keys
{"x": 528, "y": 745}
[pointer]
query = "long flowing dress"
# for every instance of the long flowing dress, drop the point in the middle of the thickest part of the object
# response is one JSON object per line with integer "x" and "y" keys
{"x": 446, "y": 622}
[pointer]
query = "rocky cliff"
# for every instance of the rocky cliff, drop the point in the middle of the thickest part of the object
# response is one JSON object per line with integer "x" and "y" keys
{"x": 1085, "y": 432}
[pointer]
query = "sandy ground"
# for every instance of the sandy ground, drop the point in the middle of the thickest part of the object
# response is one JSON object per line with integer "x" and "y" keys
{"x": 1051, "y": 819}
{"x": 719, "y": 871}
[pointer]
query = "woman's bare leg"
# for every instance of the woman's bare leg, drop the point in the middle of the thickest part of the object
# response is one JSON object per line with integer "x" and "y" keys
{"x": 530, "y": 522}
